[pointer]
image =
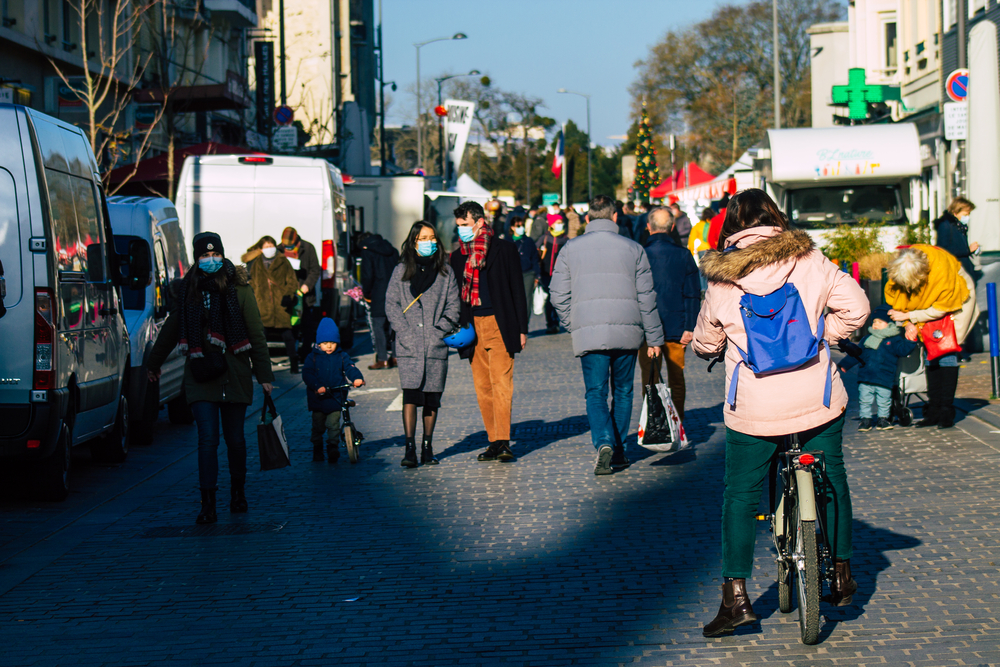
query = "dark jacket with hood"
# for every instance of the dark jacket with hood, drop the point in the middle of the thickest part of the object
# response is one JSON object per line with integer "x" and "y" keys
{"x": 677, "y": 285}
{"x": 953, "y": 236}
{"x": 506, "y": 289}
{"x": 880, "y": 365}
{"x": 328, "y": 370}
{"x": 378, "y": 259}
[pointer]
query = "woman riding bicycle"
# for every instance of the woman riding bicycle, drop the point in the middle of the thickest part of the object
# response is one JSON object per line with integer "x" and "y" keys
{"x": 758, "y": 255}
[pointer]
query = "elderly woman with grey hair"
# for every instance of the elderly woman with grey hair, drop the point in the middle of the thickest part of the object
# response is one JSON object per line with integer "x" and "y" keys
{"x": 926, "y": 284}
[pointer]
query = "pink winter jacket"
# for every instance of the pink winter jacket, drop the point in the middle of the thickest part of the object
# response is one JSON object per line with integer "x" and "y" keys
{"x": 766, "y": 259}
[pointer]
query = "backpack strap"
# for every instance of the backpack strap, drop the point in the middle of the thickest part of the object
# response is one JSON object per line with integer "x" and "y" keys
{"x": 824, "y": 343}
{"x": 735, "y": 378}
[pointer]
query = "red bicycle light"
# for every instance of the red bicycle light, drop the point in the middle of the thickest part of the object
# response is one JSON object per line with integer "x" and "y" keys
{"x": 441, "y": 111}
{"x": 806, "y": 460}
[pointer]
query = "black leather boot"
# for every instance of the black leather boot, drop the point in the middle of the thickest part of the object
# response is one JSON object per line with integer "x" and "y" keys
{"x": 491, "y": 452}
{"x": 427, "y": 452}
{"x": 843, "y": 587}
{"x": 503, "y": 451}
{"x": 238, "y": 501}
{"x": 207, "y": 514}
{"x": 734, "y": 611}
{"x": 932, "y": 406}
{"x": 333, "y": 452}
{"x": 410, "y": 457}
{"x": 318, "y": 452}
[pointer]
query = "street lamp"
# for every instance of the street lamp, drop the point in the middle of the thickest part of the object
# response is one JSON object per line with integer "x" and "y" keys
{"x": 590, "y": 181}
{"x": 444, "y": 156}
{"x": 420, "y": 136}
{"x": 381, "y": 116}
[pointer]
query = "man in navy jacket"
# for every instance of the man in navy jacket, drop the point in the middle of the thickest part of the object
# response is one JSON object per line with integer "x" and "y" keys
{"x": 678, "y": 298}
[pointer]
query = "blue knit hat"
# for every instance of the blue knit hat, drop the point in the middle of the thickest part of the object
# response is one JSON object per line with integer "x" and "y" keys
{"x": 882, "y": 313}
{"x": 327, "y": 332}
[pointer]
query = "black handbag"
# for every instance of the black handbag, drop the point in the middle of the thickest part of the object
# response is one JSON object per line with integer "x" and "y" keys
{"x": 209, "y": 367}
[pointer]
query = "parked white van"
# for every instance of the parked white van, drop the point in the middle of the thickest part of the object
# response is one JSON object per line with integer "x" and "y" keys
{"x": 154, "y": 220}
{"x": 244, "y": 197}
{"x": 65, "y": 357}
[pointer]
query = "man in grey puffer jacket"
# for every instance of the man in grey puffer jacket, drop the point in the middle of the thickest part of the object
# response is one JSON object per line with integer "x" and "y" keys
{"x": 602, "y": 290}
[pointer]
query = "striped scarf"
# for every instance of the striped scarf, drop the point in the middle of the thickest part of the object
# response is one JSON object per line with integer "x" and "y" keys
{"x": 476, "y": 250}
{"x": 224, "y": 317}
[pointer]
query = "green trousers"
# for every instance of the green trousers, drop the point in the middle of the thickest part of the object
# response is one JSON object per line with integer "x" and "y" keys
{"x": 329, "y": 423}
{"x": 748, "y": 460}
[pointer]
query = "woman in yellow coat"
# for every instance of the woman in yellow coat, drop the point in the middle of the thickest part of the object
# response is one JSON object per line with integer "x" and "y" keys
{"x": 926, "y": 284}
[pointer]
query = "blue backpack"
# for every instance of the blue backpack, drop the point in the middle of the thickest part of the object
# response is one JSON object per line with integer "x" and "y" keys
{"x": 779, "y": 338}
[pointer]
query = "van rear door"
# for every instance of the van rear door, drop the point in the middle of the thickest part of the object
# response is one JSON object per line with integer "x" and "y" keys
{"x": 16, "y": 328}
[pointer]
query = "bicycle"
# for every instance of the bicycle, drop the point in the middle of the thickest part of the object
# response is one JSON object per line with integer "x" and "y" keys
{"x": 800, "y": 534}
{"x": 351, "y": 435}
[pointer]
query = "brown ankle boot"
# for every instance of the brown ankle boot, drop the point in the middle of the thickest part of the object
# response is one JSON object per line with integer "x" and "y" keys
{"x": 843, "y": 587}
{"x": 734, "y": 611}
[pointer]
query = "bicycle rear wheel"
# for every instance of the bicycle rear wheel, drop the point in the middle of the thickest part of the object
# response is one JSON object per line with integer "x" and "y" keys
{"x": 352, "y": 444}
{"x": 807, "y": 580}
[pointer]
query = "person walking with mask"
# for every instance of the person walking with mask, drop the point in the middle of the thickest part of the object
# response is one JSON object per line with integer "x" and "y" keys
{"x": 551, "y": 244}
{"x": 422, "y": 303}
{"x": 304, "y": 260}
{"x": 378, "y": 259}
{"x": 218, "y": 328}
{"x": 528, "y": 251}
{"x": 275, "y": 286}
{"x": 490, "y": 280}
{"x": 602, "y": 290}
{"x": 953, "y": 232}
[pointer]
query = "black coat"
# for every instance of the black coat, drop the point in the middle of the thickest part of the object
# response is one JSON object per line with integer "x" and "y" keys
{"x": 953, "y": 236}
{"x": 506, "y": 285}
{"x": 378, "y": 259}
{"x": 677, "y": 285}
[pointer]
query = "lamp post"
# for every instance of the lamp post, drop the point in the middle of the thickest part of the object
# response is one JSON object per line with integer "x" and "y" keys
{"x": 381, "y": 122}
{"x": 590, "y": 182}
{"x": 444, "y": 154}
{"x": 777, "y": 67}
{"x": 420, "y": 135}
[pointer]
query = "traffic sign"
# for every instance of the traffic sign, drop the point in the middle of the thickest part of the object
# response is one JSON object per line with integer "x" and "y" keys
{"x": 957, "y": 85}
{"x": 286, "y": 139}
{"x": 283, "y": 115}
{"x": 956, "y": 121}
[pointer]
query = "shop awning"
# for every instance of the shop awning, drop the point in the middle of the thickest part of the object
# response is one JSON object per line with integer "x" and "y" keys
{"x": 688, "y": 175}
{"x": 714, "y": 189}
{"x": 213, "y": 97}
{"x": 150, "y": 176}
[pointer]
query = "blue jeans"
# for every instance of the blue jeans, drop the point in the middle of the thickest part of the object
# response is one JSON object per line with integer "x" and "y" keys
{"x": 209, "y": 416}
{"x": 598, "y": 368}
{"x": 870, "y": 392}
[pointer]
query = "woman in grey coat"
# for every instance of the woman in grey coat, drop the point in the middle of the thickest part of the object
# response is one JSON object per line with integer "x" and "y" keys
{"x": 422, "y": 305}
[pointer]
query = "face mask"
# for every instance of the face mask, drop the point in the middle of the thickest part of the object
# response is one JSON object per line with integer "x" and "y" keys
{"x": 557, "y": 228}
{"x": 519, "y": 231}
{"x": 964, "y": 219}
{"x": 426, "y": 248}
{"x": 466, "y": 233}
{"x": 210, "y": 264}
{"x": 269, "y": 252}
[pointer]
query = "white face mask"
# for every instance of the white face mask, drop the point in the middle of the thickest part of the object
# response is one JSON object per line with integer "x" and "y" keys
{"x": 269, "y": 252}
{"x": 964, "y": 219}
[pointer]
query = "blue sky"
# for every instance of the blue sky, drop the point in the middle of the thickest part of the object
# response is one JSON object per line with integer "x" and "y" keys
{"x": 534, "y": 47}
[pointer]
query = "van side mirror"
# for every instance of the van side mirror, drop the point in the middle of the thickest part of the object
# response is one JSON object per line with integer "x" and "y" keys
{"x": 140, "y": 270}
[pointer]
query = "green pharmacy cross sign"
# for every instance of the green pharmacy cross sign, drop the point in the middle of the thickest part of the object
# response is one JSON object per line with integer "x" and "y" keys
{"x": 857, "y": 94}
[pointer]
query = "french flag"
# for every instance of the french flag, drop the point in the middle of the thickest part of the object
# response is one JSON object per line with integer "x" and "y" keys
{"x": 557, "y": 161}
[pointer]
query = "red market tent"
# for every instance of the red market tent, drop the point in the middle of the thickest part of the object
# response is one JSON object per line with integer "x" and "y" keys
{"x": 712, "y": 190}
{"x": 688, "y": 175}
{"x": 149, "y": 177}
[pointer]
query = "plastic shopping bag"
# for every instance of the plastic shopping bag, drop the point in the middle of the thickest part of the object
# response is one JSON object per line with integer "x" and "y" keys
{"x": 271, "y": 438}
{"x": 539, "y": 299}
{"x": 660, "y": 427}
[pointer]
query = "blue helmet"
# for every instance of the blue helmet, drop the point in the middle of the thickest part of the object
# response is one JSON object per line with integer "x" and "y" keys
{"x": 461, "y": 337}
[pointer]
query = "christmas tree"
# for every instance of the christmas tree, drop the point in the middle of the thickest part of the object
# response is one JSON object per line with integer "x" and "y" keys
{"x": 647, "y": 173}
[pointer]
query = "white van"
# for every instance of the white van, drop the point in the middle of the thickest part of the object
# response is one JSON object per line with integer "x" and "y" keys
{"x": 65, "y": 356}
{"x": 825, "y": 177}
{"x": 154, "y": 220}
{"x": 244, "y": 197}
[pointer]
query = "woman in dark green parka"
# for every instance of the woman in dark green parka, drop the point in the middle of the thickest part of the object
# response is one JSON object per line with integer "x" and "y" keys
{"x": 218, "y": 327}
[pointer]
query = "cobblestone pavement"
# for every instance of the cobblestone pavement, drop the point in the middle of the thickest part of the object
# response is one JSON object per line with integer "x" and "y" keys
{"x": 537, "y": 562}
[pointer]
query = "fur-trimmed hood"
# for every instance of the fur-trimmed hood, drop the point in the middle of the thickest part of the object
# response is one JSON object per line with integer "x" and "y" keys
{"x": 754, "y": 249}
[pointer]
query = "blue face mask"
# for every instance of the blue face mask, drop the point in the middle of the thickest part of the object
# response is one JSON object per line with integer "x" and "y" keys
{"x": 210, "y": 264}
{"x": 426, "y": 248}
{"x": 466, "y": 233}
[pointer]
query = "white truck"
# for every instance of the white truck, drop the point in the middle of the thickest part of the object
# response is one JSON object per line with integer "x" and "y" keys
{"x": 385, "y": 205}
{"x": 827, "y": 177}
{"x": 244, "y": 197}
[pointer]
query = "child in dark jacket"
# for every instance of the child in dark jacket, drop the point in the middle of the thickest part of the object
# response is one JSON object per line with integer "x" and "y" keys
{"x": 882, "y": 348}
{"x": 327, "y": 366}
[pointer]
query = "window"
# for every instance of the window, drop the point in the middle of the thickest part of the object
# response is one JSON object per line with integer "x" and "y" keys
{"x": 69, "y": 252}
{"x": 891, "y": 53}
{"x": 976, "y": 6}
{"x": 950, "y": 12}
{"x": 88, "y": 221}
{"x": 825, "y": 207}
{"x": 132, "y": 299}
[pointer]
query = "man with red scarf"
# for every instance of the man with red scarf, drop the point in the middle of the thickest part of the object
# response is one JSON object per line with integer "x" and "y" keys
{"x": 488, "y": 270}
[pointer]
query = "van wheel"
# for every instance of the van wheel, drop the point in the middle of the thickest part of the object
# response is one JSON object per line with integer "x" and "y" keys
{"x": 179, "y": 412}
{"x": 142, "y": 432}
{"x": 53, "y": 472}
{"x": 113, "y": 447}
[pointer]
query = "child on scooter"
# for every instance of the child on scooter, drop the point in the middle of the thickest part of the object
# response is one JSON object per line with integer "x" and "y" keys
{"x": 325, "y": 367}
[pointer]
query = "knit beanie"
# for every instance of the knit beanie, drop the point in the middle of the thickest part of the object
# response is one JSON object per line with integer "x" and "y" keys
{"x": 207, "y": 242}
{"x": 882, "y": 313}
{"x": 327, "y": 332}
{"x": 289, "y": 236}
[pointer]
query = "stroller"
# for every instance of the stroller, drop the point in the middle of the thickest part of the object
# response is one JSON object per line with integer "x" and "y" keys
{"x": 912, "y": 381}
